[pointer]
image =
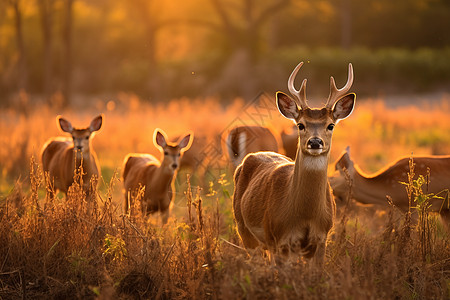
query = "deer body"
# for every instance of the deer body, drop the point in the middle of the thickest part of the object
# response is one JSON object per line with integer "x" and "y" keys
{"x": 290, "y": 142}
{"x": 287, "y": 206}
{"x": 243, "y": 140}
{"x": 270, "y": 175}
{"x": 373, "y": 189}
{"x": 145, "y": 170}
{"x": 61, "y": 156}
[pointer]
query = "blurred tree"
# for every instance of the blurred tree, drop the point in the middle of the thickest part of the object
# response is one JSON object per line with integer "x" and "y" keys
{"x": 22, "y": 80}
{"x": 241, "y": 24}
{"x": 345, "y": 11}
{"x": 235, "y": 47}
{"x": 153, "y": 17}
{"x": 67, "y": 39}
{"x": 46, "y": 11}
{"x": 402, "y": 23}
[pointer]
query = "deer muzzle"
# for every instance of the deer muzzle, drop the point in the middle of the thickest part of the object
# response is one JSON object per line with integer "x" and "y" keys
{"x": 315, "y": 143}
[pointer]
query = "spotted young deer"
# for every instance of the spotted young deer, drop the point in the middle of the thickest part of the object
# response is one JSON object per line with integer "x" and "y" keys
{"x": 63, "y": 156}
{"x": 373, "y": 189}
{"x": 242, "y": 140}
{"x": 287, "y": 206}
{"x": 146, "y": 171}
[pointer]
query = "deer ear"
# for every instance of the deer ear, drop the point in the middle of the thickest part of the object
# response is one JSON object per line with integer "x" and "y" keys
{"x": 344, "y": 164}
{"x": 186, "y": 142}
{"x": 96, "y": 123}
{"x": 64, "y": 124}
{"x": 344, "y": 106}
{"x": 159, "y": 138}
{"x": 287, "y": 106}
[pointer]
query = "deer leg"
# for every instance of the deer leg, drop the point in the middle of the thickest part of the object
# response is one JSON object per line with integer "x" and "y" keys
{"x": 319, "y": 257}
{"x": 165, "y": 216}
{"x": 247, "y": 237}
{"x": 126, "y": 203}
{"x": 445, "y": 218}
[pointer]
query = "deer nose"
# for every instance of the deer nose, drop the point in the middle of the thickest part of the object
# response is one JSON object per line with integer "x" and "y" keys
{"x": 79, "y": 147}
{"x": 315, "y": 143}
{"x": 174, "y": 166}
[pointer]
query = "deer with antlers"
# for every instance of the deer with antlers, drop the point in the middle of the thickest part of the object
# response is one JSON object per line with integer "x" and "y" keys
{"x": 373, "y": 189}
{"x": 284, "y": 206}
{"x": 63, "y": 156}
{"x": 157, "y": 178}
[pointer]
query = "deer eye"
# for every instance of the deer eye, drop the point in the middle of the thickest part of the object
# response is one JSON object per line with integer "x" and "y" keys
{"x": 179, "y": 154}
{"x": 86, "y": 138}
{"x": 330, "y": 127}
{"x": 301, "y": 126}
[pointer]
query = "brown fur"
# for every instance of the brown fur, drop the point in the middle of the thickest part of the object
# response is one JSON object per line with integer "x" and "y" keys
{"x": 243, "y": 140}
{"x": 265, "y": 176}
{"x": 287, "y": 206}
{"x": 373, "y": 189}
{"x": 144, "y": 170}
{"x": 60, "y": 158}
{"x": 290, "y": 142}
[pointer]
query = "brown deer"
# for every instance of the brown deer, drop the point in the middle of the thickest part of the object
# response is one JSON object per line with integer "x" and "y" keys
{"x": 373, "y": 189}
{"x": 62, "y": 156}
{"x": 287, "y": 206}
{"x": 243, "y": 140}
{"x": 157, "y": 178}
{"x": 290, "y": 142}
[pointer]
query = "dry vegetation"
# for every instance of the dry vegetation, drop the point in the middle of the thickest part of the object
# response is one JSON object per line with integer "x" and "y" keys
{"x": 68, "y": 248}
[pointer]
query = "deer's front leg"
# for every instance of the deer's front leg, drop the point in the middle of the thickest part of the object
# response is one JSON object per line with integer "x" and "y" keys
{"x": 319, "y": 257}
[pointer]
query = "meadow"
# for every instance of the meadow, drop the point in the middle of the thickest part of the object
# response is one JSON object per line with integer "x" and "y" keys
{"x": 68, "y": 248}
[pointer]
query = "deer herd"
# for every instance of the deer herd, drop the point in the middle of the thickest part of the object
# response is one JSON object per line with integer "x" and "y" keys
{"x": 281, "y": 203}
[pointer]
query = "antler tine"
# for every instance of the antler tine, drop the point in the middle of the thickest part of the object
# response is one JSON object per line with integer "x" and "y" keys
{"x": 336, "y": 93}
{"x": 299, "y": 94}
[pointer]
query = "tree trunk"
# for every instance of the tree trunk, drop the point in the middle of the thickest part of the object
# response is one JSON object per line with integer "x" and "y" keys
{"x": 346, "y": 23}
{"x": 67, "y": 37}
{"x": 22, "y": 83}
{"x": 46, "y": 11}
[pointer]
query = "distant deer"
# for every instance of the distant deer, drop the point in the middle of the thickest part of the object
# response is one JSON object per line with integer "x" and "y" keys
{"x": 373, "y": 189}
{"x": 243, "y": 140}
{"x": 290, "y": 142}
{"x": 287, "y": 206}
{"x": 145, "y": 170}
{"x": 62, "y": 156}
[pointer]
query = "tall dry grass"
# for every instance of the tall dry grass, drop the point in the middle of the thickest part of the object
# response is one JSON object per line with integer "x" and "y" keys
{"x": 62, "y": 249}
{"x": 73, "y": 248}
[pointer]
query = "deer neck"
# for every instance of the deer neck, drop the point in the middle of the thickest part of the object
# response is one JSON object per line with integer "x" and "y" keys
{"x": 309, "y": 184}
{"x": 82, "y": 159}
{"x": 163, "y": 178}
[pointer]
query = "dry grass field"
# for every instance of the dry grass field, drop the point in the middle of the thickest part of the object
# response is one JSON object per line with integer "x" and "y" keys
{"x": 71, "y": 249}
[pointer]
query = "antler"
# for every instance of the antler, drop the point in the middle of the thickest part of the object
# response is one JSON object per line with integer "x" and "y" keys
{"x": 299, "y": 94}
{"x": 336, "y": 93}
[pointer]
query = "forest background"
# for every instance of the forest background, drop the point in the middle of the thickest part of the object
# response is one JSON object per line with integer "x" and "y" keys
{"x": 64, "y": 51}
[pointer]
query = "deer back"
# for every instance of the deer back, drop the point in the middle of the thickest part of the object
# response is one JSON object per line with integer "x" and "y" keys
{"x": 243, "y": 140}
{"x": 373, "y": 188}
{"x": 139, "y": 171}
